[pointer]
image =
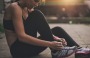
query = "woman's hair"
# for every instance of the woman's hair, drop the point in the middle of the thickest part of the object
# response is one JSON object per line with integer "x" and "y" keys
{"x": 14, "y": 1}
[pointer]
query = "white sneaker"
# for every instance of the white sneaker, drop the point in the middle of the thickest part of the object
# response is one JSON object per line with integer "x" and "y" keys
{"x": 83, "y": 50}
{"x": 64, "y": 52}
{"x": 82, "y": 53}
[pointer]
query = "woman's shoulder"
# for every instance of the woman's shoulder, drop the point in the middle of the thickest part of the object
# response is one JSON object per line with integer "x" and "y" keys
{"x": 9, "y": 11}
{"x": 12, "y": 6}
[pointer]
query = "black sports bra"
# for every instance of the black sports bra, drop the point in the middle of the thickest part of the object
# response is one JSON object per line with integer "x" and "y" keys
{"x": 8, "y": 24}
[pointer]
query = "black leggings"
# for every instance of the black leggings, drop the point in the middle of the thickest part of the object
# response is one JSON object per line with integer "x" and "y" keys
{"x": 36, "y": 23}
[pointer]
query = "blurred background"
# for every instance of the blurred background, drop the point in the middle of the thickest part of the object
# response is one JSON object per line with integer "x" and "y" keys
{"x": 59, "y": 11}
{"x": 66, "y": 11}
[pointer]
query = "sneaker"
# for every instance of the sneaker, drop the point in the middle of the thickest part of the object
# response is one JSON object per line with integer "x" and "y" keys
{"x": 82, "y": 53}
{"x": 83, "y": 50}
{"x": 64, "y": 52}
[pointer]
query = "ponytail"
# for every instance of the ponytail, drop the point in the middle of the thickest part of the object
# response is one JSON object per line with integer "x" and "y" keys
{"x": 14, "y": 1}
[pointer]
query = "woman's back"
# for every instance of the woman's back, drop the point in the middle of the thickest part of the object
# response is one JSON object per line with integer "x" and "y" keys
{"x": 8, "y": 24}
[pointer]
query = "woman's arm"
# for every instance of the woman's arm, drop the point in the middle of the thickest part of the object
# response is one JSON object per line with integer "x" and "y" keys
{"x": 19, "y": 28}
{"x": 22, "y": 36}
{"x": 60, "y": 40}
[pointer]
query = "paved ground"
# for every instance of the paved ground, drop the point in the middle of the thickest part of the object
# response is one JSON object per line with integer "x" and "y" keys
{"x": 79, "y": 32}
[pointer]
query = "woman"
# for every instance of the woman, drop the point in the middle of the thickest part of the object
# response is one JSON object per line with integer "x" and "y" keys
{"x": 22, "y": 22}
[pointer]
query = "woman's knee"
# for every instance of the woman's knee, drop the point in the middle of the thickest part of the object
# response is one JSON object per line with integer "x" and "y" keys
{"x": 57, "y": 28}
{"x": 37, "y": 12}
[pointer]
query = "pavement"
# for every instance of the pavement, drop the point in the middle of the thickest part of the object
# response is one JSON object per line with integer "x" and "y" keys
{"x": 79, "y": 32}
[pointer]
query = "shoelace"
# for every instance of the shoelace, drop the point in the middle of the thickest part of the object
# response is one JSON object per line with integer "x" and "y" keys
{"x": 68, "y": 48}
{"x": 62, "y": 53}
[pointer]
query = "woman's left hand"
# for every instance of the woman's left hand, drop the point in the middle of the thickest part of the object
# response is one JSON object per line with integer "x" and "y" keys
{"x": 63, "y": 41}
{"x": 60, "y": 40}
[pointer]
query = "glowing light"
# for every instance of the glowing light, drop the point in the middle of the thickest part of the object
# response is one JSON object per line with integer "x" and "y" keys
{"x": 68, "y": 2}
{"x": 72, "y": 2}
{"x": 63, "y": 2}
{"x": 43, "y": 0}
{"x": 63, "y": 9}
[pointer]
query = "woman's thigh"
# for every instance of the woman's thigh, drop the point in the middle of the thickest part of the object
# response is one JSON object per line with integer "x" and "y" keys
{"x": 20, "y": 49}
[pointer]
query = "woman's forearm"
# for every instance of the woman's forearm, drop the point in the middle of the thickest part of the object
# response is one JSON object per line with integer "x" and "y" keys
{"x": 34, "y": 41}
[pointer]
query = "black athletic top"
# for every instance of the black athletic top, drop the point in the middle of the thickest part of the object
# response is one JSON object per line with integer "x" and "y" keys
{"x": 8, "y": 24}
{"x": 30, "y": 24}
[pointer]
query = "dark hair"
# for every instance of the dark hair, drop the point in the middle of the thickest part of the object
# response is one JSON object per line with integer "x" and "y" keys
{"x": 14, "y": 1}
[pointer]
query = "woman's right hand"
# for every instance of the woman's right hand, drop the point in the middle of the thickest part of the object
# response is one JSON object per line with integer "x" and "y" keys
{"x": 56, "y": 45}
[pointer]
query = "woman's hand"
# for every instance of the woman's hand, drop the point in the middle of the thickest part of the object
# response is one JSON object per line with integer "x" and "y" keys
{"x": 64, "y": 41}
{"x": 60, "y": 40}
{"x": 56, "y": 45}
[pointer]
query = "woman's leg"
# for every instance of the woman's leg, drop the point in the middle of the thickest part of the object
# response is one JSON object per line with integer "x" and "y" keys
{"x": 58, "y": 31}
{"x": 43, "y": 27}
{"x": 35, "y": 22}
{"x": 38, "y": 23}
{"x": 24, "y": 50}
